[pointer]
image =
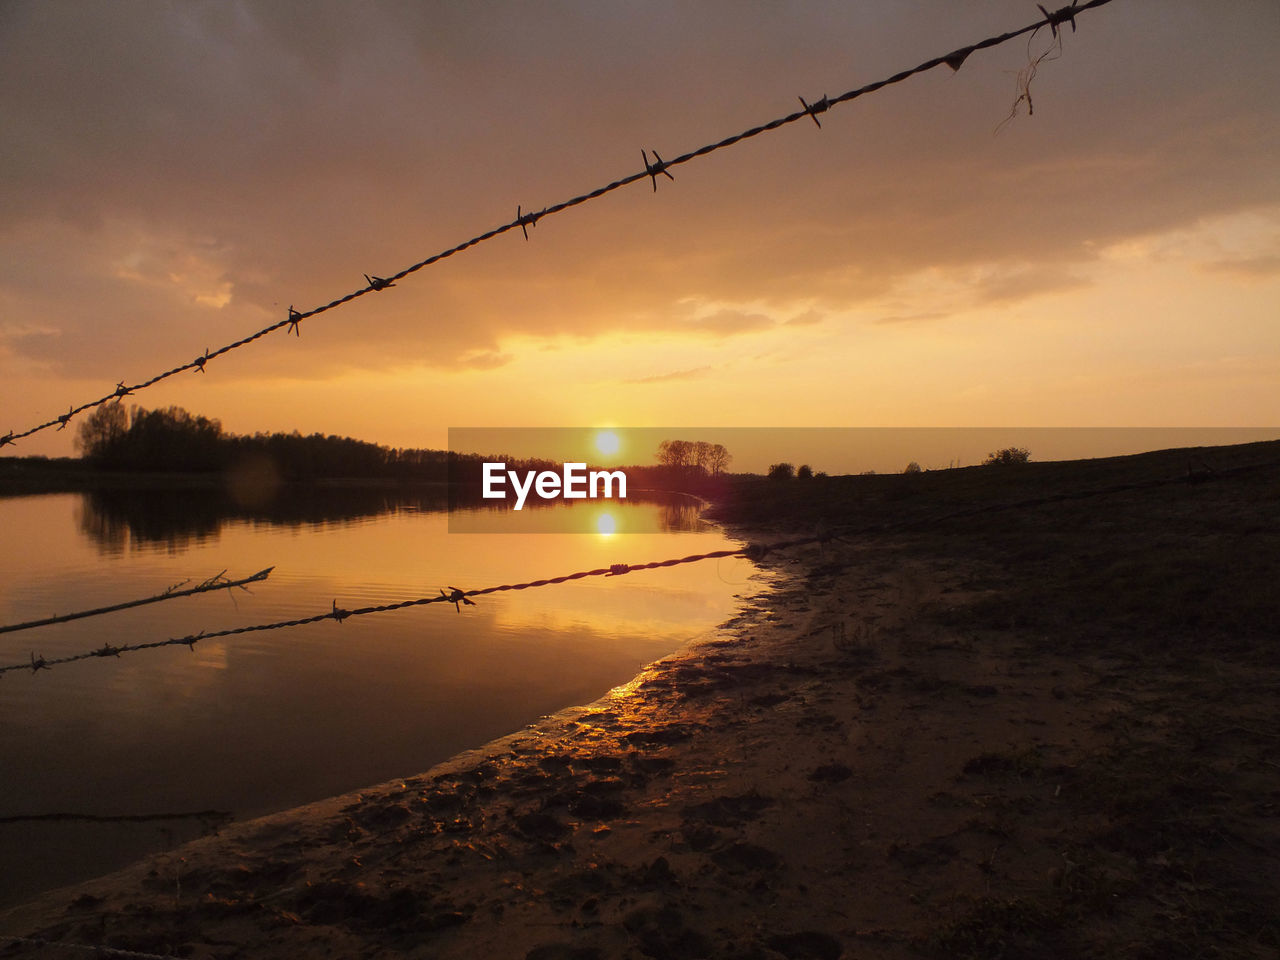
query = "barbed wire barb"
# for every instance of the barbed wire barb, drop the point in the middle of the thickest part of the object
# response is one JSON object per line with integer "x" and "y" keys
{"x": 813, "y": 109}
{"x": 652, "y": 170}
{"x": 1065, "y": 14}
{"x": 659, "y": 166}
{"x": 526, "y": 220}
{"x": 457, "y": 598}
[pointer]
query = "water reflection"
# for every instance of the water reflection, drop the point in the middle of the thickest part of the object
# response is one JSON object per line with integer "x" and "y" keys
{"x": 640, "y": 513}
{"x": 174, "y": 519}
{"x": 262, "y": 721}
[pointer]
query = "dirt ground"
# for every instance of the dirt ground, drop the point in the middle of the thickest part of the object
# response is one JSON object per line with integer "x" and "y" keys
{"x": 1043, "y": 732}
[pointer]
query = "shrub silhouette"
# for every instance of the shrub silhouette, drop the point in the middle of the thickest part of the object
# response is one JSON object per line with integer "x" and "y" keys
{"x": 781, "y": 471}
{"x": 1006, "y": 456}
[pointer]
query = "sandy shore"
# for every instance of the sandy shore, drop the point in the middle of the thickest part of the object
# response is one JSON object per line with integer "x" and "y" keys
{"x": 835, "y": 772}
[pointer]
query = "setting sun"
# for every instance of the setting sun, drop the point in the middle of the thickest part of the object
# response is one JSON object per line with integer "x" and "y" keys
{"x": 607, "y": 442}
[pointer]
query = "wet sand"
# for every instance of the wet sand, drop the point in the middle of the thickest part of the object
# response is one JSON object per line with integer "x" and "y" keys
{"x": 846, "y": 769}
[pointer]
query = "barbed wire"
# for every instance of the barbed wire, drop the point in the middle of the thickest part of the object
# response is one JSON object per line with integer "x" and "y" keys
{"x": 652, "y": 170}
{"x": 216, "y": 582}
{"x": 753, "y": 551}
{"x": 452, "y": 595}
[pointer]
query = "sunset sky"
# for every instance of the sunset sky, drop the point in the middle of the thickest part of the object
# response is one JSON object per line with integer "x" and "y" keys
{"x": 175, "y": 175}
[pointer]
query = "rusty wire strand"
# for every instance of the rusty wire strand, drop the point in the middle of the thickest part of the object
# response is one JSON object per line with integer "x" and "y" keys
{"x": 1027, "y": 75}
{"x": 954, "y": 60}
{"x": 218, "y": 582}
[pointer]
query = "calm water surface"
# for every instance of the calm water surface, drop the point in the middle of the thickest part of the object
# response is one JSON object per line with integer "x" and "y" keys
{"x": 264, "y": 721}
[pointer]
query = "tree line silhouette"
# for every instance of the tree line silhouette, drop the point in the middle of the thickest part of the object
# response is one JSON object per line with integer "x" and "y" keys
{"x": 175, "y": 440}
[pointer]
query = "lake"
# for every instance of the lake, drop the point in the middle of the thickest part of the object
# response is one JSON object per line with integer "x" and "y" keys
{"x": 263, "y": 721}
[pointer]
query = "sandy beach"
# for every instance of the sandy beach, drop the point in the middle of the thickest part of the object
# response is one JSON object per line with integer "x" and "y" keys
{"x": 883, "y": 755}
